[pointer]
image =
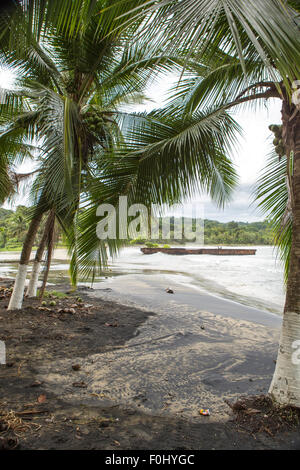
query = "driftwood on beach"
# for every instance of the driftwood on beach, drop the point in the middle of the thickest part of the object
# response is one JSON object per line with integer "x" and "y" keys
{"x": 199, "y": 251}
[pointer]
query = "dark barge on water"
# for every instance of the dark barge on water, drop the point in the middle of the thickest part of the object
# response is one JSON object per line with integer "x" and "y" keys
{"x": 199, "y": 251}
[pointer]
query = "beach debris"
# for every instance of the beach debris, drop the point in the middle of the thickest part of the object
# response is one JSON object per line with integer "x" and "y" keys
{"x": 252, "y": 411}
{"x": 5, "y": 292}
{"x": 42, "y": 398}
{"x": 45, "y": 309}
{"x": 202, "y": 327}
{"x": 165, "y": 405}
{"x": 9, "y": 443}
{"x": 237, "y": 406}
{"x": 98, "y": 395}
{"x": 115, "y": 324}
{"x": 76, "y": 366}
{"x": 30, "y": 412}
{"x": 204, "y": 412}
{"x": 79, "y": 384}
{"x": 11, "y": 422}
{"x": 10, "y": 364}
{"x": 66, "y": 310}
{"x": 169, "y": 291}
{"x": 37, "y": 383}
{"x": 104, "y": 424}
{"x": 260, "y": 414}
{"x": 50, "y": 420}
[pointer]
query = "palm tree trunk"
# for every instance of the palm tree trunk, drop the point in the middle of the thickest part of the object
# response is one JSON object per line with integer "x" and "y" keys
{"x": 285, "y": 386}
{"x": 33, "y": 283}
{"x": 46, "y": 274}
{"x": 18, "y": 291}
{"x": 50, "y": 248}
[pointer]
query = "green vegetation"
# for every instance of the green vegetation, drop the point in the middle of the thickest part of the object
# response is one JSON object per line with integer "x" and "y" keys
{"x": 14, "y": 226}
{"x": 218, "y": 233}
{"x": 151, "y": 245}
{"x": 54, "y": 294}
{"x": 237, "y": 233}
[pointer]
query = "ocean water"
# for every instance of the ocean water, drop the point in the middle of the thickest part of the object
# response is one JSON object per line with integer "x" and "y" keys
{"x": 256, "y": 281}
{"x": 252, "y": 280}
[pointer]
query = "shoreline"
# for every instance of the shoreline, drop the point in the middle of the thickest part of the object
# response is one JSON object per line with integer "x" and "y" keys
{"x": 148, "y": 291}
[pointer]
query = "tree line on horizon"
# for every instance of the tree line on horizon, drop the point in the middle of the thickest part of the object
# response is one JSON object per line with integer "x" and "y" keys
{"x": 14, "y": 226}
{"x": 218, "y": 233}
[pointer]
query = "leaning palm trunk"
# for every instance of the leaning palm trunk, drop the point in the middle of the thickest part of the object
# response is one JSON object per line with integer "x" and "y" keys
{"x": 33, "y": 283}
{"x": 50, "y": 248}
{"x": 18, "y": 291}
{"x": 285, "y": 386}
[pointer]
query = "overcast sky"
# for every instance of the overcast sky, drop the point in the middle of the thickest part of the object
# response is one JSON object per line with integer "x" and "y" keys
{"x": 250, "y": 158}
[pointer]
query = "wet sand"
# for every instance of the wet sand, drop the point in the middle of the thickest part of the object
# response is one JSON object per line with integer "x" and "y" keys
{"x": 149, "y": 291}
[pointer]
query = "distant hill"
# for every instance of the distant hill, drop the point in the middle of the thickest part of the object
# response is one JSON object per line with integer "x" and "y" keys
{"x": 237, "y": 233}
{"x": 219, "y": 233}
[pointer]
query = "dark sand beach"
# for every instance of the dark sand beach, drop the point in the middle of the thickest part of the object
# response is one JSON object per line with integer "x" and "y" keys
{"x": 131, "y": 367}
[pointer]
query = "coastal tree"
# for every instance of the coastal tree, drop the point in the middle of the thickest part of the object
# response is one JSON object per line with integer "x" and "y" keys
{"x": 46, "y": 239}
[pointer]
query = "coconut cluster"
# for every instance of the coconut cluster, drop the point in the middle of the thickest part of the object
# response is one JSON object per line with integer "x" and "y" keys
{"x": 277, "y": 142}
{"x": 93, "y": 121}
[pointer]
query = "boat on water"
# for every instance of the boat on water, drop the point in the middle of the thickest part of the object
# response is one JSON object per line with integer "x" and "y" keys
{"x": 200, "y": 251}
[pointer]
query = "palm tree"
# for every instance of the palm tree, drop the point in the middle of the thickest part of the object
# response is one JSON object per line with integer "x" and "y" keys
{"x": 18, "y": 223}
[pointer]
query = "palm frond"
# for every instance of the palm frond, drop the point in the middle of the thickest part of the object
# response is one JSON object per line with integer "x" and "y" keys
{"x": 230, "y": 26}
{"x": 271, "y": 195}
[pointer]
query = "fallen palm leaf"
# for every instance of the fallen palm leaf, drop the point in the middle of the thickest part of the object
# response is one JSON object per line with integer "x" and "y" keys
{"x": 14, "y": 423}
